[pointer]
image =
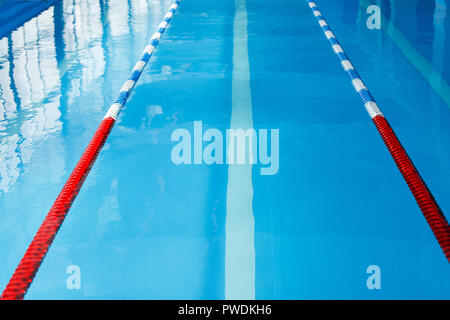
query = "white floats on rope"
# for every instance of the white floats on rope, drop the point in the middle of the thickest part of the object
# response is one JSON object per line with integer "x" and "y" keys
{"x": 128, "y": 86}
{"x": 369, "y": 103}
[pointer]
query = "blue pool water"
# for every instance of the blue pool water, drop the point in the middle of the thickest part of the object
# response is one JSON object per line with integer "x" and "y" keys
{"x": 143, "y": 227}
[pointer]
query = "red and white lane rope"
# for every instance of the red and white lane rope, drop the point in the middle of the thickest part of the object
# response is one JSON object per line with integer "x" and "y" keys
{"x": 31, "y": 261}
{"x": 422, "y": 194}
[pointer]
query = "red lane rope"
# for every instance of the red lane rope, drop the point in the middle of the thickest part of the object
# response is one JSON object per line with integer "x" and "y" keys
{"x": 31, "y": 261}
{"x": 430, "y": 209}
{"x": 423, "y": 196}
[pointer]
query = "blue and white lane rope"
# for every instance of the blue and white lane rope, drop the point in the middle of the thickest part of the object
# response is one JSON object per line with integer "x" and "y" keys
{"x": 360, "y": 88}
{"x": 128, "y": 86}
{"x": 29, "y": 265}
{"x": 428, "y": 205}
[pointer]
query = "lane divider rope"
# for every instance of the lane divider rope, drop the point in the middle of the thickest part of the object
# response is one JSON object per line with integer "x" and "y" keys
{"x": 31, "y": 261}
{"x": 428, "y": 205}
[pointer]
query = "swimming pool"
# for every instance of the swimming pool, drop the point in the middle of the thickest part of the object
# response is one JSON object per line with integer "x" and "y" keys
{"x": 144, "y": 227}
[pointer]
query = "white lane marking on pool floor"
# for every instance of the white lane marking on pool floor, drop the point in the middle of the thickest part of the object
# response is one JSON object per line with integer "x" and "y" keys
{"x": 240, "y": 225}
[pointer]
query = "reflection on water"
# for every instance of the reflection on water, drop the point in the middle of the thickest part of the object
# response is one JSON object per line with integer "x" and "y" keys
{"x": 51, "y": 65}
{"x": 425, "y": 29}
{"x": 80, "y": 46}
{"x": 425, "y": 24}
{"x": 439, "y": 17}
{"x": 30, "y": 93}
{"x": 447, "y": 37}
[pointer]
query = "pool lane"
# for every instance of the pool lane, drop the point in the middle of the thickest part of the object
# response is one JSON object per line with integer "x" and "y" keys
{"x": 141, "y": 227}
{"x": 425, "y": 25}
{"x": 162, "y": 224}
{"x": 337, "y": 204}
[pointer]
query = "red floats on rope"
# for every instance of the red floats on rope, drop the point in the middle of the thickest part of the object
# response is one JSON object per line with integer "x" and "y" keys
{"x": 31, "y": 261}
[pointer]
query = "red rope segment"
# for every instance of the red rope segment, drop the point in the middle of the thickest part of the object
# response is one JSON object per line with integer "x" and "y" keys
{"x": 31, "y": 261}
{"x": 430, "y": 209}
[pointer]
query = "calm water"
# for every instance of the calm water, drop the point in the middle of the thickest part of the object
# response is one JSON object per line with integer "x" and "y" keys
{"x": 143, "y": 227}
